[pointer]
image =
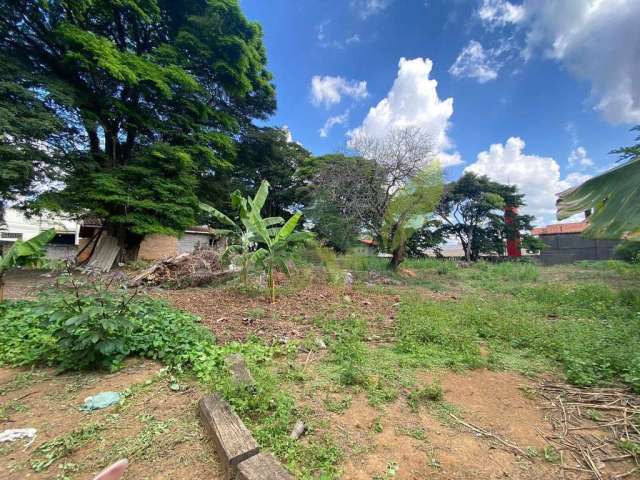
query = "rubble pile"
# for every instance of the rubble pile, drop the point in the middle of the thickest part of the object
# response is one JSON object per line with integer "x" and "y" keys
{"x": 200, "y": 267}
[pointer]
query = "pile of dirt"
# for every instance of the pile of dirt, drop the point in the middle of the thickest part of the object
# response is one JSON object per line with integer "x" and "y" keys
{"x": 200, "y": 267}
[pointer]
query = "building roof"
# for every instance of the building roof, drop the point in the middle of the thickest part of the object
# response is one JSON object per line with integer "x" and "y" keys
{"x": 560, "y": 228}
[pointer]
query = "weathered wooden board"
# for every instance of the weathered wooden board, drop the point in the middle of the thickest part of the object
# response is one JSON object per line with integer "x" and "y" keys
{"x": 232, "y": 440}
{"x": 105, "y": 253}
{"x": 239, "y": 371}
{"x": 262, "y": 467}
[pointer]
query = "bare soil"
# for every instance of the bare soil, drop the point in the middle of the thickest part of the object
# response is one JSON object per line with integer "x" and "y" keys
{"x": 155, "y": 427}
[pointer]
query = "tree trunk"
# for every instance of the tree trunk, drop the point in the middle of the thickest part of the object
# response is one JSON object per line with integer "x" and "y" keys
{"x": 272, "y": 286}
{"x": 1, "y": 287}
{"x": 397, "y": 257}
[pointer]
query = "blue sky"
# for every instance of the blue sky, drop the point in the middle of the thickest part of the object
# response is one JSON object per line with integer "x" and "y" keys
{"x": 551, "y": 84}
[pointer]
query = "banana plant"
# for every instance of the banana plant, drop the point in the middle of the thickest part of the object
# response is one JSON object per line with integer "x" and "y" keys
{"x": 242, "y": 238}
{"x": 276, "y": 246}
{"x": 24, "y": 253}
{"x": 614, "y": 197}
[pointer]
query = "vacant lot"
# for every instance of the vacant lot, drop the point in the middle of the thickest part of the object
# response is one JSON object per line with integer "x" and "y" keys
{"x": 440, "y": 371}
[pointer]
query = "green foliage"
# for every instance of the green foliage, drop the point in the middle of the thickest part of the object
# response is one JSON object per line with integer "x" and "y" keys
{"x": 91, "y": 325}
{"x": 136, "y": 101}
{"x": 261, "y": 154}
{"x": 613, "y": 196}
{"x": 432, "y": 392}
{"x": 24, "y": 253}
{"x": 472, "y": 209}
{"x": 590, "y": 330}
{"x": 344, "y": 195}
{"x": 628, "y": 251}
{"x": 275, "y": 243}
{"x": 408, "y": 210}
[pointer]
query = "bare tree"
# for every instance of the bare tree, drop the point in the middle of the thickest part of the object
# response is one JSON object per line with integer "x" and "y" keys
{"x": 399, "y": 155}
{"x": 363, "y": 188}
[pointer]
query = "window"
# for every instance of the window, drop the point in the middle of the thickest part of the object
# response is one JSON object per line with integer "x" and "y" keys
{"x": 13, "y": 235}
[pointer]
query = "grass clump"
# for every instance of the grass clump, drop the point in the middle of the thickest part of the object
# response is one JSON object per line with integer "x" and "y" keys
{"x": 64, "y": 445}
{"x": 592, "y": 331}
{"x": 432, "y": 392}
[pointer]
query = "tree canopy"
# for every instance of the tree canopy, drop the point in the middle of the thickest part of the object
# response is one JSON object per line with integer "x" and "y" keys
{"x": 472, "y": 210}
{"x": 262, "y": 154}
{"x": 141, "y": 100}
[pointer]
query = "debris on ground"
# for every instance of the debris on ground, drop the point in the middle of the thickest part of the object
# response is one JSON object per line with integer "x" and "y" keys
{"x": 14, "y": 434}
{"x": 298, "y": 430}
{"x": 596, "y": 430}
{"x": 200, "y": 267}
{"x": 100, "y": 401}
{"x": 239, "y": 371}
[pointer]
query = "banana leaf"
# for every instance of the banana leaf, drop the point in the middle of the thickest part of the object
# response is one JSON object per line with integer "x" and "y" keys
{"x": 615, "y": 198}
{"x": 26, "y": 252}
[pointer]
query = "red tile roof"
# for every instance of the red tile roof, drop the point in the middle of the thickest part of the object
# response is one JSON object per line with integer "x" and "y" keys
{"x": 560, "y": 228}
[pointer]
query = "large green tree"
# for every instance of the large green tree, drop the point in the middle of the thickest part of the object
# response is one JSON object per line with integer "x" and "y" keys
{"x": 263, "y": 154}
{"x": 155, "y": 90}
{"x": 472, "y": 210}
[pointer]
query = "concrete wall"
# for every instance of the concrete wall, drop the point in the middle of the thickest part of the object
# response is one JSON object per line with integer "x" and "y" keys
{"x": 156, "y": 246}
{"x": 61, "y": 252}
{"x": 571, "y": 247}
{"x": 189, "y": 241}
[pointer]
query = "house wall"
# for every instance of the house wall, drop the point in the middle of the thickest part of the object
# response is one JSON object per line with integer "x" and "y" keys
{"x": 189, "y": 241}
{"x": 571, "y": 247}
{"x": 156, "y": 246}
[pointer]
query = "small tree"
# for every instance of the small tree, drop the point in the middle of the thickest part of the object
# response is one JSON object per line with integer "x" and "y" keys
{"x": 244, "y": 239}
{"x": 256, "y": 231}
{"x": 408, "y": 211}
{"x": 24, "y": 253}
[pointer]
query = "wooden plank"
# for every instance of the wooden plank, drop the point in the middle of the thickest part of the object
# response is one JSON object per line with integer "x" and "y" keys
{"x": 105, "y": 253}
{"x": 239, "y": 371}
{"x": 232, "y": 440}
{"x": 262, "y": 467}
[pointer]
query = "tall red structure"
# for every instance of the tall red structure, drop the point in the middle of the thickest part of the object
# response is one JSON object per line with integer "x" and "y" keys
{"x": 513, "y": 243}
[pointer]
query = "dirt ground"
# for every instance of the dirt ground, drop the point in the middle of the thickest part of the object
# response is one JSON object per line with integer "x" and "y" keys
{"x": 155, "y": 427}
{"x": 158, "y": 430}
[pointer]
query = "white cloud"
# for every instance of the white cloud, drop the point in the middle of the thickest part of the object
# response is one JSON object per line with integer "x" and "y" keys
{"x": 475, "y": 62}
{"x": 537, "y": 177}
{"x": 498, "y": 13}
{"x": 576, "y": 178}
{"x": 333, "y": 121}
{"x": 329, "y": 90}
{"x": 597, "y": 41}
{"x": 355, "y": 38}
{"x": 287, "y": 132}
{"x": 413, "y": 101}
{"x": 579, "y": 158}
{"x": 366, "y": 8}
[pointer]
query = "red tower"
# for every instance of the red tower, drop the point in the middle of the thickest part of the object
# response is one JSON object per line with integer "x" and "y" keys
{"x": 513, "y": 239}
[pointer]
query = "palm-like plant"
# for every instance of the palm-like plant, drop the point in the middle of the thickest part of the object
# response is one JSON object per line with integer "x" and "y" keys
{"x": 24, "y": 253}
{"x": 253, "y": 230}
{"x": 614, "y": 196}
{"x": 276, "y": 246}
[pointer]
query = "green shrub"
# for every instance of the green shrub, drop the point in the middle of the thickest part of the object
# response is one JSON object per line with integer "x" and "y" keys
{"x": 80, "y": 325}
{"x": 432, "y": 392}
{"x": 628, "y": 251}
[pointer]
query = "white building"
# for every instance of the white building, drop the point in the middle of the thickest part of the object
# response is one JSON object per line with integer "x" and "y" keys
{"x": 19, "y": 227}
